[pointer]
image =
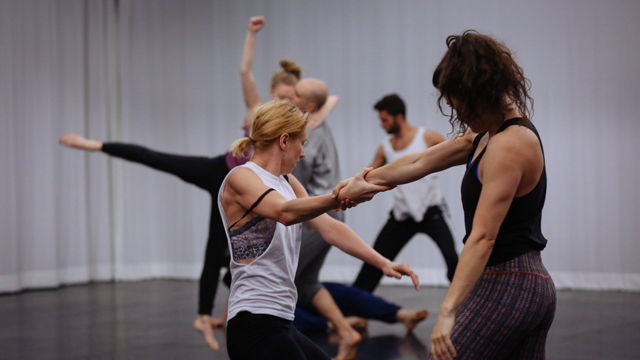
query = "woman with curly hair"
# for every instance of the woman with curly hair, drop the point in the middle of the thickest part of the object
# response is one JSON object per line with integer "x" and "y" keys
{"x": 502, "y": 301}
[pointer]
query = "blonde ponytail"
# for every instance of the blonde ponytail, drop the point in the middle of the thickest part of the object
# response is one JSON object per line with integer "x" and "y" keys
{"x": 239, "y": 146}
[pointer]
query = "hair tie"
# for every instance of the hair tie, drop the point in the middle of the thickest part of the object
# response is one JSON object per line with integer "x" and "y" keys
{"x": 250, "y": 139}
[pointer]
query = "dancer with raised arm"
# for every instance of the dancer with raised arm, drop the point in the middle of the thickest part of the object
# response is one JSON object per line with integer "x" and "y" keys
{"x": 318, "y": 172}
{"x": 262, "y": 208}
{"x": 502, "y": 300}
{"x": 207, "y": 173}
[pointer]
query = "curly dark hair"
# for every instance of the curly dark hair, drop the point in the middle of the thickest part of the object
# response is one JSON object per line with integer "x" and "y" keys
{"x": 393, "y": 104}
{"x": 480, "y": 73}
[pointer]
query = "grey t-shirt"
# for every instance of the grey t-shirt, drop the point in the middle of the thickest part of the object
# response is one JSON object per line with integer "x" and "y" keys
{"x": 319, "y": 170}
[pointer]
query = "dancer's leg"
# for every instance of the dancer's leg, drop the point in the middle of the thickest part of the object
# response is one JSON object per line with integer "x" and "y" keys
{"x": 313, "y": 251}
{"x": 357, "y": 302}
{"x": 349, "y": 338}
{"x": 221, "y": 321}
{"x": 391, "y": 239}
{"x": 308, "y": 347}
{"x": 307, "y": 322}
{"x": 216, "y": 256}
{"x": 514, "y": 304}
{"x": 434, "y": 225}
{"x": 257, "y": 336}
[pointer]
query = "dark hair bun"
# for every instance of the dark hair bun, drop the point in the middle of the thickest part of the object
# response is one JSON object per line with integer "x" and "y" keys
{"x": 290, "y": 67}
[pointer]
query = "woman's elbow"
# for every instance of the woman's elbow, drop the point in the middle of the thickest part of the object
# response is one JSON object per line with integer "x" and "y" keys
{"x": 483, "y": 241}
{"x": 287, "y": 219}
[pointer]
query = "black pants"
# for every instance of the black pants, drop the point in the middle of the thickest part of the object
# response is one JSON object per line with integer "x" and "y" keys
{"x": 217, "y": 250}
{"x": 257, "y": 336}
{"x": 207, "y": 173}
{"x": 396, "y": 234}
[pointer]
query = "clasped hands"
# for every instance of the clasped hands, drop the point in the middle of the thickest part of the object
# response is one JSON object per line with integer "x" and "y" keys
{"x": 356, "y": 190}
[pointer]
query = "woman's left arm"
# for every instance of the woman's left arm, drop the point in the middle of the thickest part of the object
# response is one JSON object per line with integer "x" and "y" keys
{"x": 341, "y": 236}
{"x": 502, "y": 170}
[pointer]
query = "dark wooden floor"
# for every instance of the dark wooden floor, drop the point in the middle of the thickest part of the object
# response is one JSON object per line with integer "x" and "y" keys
{"x": 152, "y": 320}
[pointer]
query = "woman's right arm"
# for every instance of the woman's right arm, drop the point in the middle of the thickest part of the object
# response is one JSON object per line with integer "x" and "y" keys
{"x": 415, "y": 166}
{"x": 409, "y": 168}
{"x": 244, "y": 187}
{"x": 249, "y": 89}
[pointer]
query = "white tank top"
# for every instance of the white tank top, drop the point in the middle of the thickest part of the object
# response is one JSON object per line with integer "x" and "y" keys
{"x": 265, "y": 286}
{"x": 413, "y": 199}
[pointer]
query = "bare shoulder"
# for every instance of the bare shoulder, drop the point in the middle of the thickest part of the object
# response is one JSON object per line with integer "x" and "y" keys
{"x": 433, "y": 138}
{"x": 298, "y": 189}
{"x": 243, "y": 178}
{"x": 516, "y": 141}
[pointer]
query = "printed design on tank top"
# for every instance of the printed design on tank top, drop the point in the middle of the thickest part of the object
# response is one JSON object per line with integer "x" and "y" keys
{"x": 253, "y": 238}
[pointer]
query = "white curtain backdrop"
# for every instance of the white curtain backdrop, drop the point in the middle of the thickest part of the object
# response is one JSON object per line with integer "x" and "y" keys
{"x": 164, "y": 74}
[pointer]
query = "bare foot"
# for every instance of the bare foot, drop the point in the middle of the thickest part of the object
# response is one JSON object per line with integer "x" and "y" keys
{"x": 349, "y": 340}
{"x": 77, "y": 141}
{"x": 411, "y": 318}
{"x": 203, "y": 325}
{"x": 219, "y": 322}
{"x": 356, "y": 322}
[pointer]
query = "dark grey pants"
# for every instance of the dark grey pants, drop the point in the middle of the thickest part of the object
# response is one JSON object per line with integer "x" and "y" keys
{"x": 313, "y": 251}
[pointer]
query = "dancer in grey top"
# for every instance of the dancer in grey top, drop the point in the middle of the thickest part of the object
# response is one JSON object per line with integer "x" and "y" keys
{"x": 317, "y": 171}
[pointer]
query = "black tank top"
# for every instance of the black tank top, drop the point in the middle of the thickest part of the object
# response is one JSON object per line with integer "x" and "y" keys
{"x": 520, "y": 231}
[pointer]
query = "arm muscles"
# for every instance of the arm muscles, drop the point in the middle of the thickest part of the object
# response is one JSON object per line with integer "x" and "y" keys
{"x": 418, "y": 165}
{"x": 247, "y": 187}
{"x": 502, "y": 175}
{"x": 432, "y": 138}
{"x": 249, "y": 89}
{"x": 341, "y": 236}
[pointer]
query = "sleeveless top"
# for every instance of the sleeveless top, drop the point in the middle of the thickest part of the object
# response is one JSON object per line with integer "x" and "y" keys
{"x": 520, "y": 231}
{"x": 266, "y": 285}
{"x": 413, "y": 199}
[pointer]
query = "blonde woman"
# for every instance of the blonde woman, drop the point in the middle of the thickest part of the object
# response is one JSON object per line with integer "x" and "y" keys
{"x": 262, "y": 208}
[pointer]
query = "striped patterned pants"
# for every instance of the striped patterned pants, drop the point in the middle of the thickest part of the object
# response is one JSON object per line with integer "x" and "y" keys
{"x": 508, "y": 313}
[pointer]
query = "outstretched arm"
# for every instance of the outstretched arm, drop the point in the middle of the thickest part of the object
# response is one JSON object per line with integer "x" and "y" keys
{"x": 244, "y": 187}
{"x": 415, "y": 166}
{"x": 249, "y": 89}
{"x": 341, "y": 236}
